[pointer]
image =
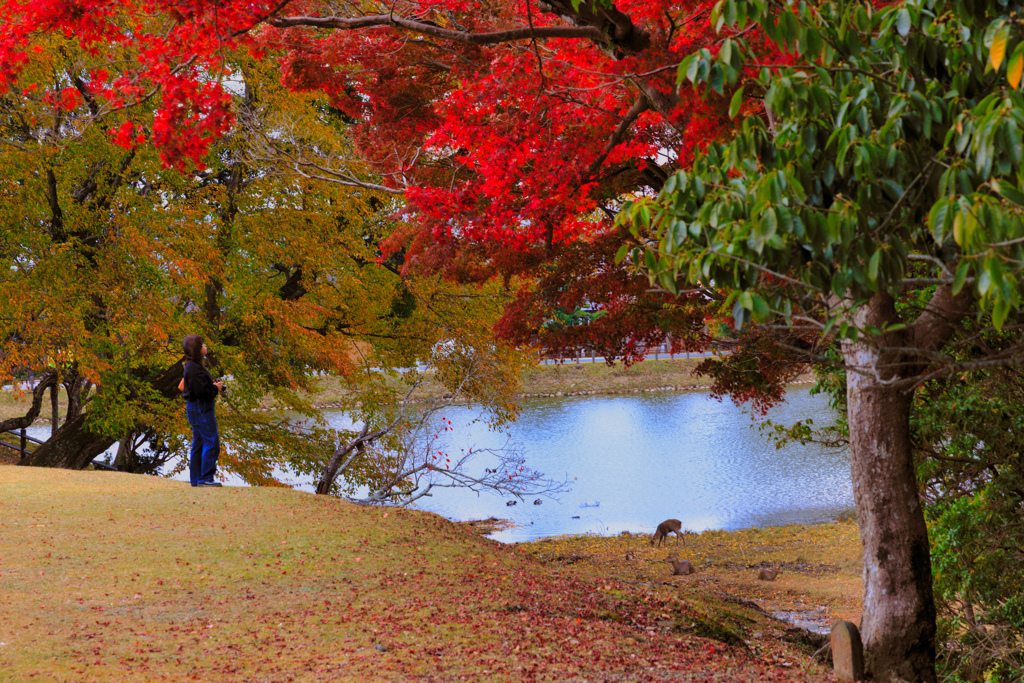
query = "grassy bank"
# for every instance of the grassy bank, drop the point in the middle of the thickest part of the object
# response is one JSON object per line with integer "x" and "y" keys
{"x": 578, "y": 379}
{"x": 112, "y": 576}
{"x": 819, "y": 566}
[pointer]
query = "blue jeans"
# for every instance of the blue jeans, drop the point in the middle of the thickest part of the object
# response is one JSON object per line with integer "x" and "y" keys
{"x": 205, "y": 443}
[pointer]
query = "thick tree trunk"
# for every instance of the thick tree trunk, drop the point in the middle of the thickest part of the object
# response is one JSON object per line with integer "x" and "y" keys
{"x": 898, "y": 619}
{"x": 72, "y": 447}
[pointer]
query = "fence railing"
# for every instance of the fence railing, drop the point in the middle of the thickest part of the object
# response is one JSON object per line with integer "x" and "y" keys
{"x": 23, "y": 441}
{"x": 23, "y": 446}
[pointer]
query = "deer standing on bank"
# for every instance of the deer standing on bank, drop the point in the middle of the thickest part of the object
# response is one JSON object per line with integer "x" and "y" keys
{"x": 669, "y": 526}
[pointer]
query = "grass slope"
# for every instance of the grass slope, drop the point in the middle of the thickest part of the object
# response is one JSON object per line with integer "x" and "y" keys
{"x": 111, "y": 576}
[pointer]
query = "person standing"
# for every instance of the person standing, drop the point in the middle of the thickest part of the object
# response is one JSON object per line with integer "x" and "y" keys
{"x": 200, "y": 392}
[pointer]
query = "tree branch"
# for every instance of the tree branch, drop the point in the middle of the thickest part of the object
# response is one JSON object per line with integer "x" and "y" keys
{"x": 26, "y": 420}
{"x": 641, "y": 105}
{"x": 936, "y": 323}
{"x": 491, "y": 38}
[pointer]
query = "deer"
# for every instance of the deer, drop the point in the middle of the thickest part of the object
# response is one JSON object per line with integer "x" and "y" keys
{"x": 681, "y": 567}
{"x": 669, "y": 526}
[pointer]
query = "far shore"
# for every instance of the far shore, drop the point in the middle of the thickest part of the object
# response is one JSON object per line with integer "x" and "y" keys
{"x": 582, "y": 379}
{"x": 542, "y": 381}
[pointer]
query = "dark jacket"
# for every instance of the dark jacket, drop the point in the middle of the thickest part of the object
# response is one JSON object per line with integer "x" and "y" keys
{"x": 199, "y": 386}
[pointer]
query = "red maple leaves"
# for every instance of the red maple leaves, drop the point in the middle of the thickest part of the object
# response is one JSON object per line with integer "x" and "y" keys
{"x": 511, "y": 132}
{"x": 519, "y": 141}
{"x": 177, "y": 55}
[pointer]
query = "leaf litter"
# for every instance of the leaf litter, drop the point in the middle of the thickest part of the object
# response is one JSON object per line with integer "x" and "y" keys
{"x": 124, "y": 577}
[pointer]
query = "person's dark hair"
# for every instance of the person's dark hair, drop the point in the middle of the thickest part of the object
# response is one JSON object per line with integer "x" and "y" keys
{"x": 193, "y": 346}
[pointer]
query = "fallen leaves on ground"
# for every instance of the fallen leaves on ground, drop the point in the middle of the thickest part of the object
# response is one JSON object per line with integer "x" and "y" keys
{"x": 819, "y": 565}
{"x": 112, "y": 576}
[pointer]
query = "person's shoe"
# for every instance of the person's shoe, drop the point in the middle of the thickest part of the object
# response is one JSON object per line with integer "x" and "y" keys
{"x": 209, "y": 483}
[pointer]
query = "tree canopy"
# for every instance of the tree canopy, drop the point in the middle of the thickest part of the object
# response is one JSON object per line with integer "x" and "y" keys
{"x": 509, "y": 130}
{"x": 878, "y": 204}
{"x": 113, "y": 257}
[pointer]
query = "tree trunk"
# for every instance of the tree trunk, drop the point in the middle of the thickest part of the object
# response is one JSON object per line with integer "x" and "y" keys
{"x": 26, "y": 420}
{"x": 77, "y": 389}
{"x": 54, "y": 408}
{"x": 122, "y": 461}
{"x": 74, "y": 446}
{"x": 339, "y": 462}
{"x": 898, "y": 619}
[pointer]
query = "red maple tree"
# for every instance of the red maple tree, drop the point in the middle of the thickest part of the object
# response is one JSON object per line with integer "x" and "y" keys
{"x": 513, "y": 131}
{"x": 514, "y": 134}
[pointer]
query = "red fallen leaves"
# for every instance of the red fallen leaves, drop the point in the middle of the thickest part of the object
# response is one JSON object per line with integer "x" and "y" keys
{"x": 556, "y": 626}
{"x": 482, "y": 611}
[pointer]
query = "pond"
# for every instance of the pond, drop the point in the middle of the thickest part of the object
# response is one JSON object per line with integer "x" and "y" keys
{"x": 634, "y": 460}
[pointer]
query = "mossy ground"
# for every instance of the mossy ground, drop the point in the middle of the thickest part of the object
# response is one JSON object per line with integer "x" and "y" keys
{"x": 110, "y": 576}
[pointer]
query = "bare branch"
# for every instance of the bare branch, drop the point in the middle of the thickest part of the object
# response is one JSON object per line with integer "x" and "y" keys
{"x": 491, "y": 38}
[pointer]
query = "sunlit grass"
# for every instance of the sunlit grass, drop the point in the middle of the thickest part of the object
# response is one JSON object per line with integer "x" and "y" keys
{"x": 110, "y": 576}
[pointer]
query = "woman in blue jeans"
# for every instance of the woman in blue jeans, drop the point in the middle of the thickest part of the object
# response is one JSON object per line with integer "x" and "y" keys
{"x": 200, "y": 391}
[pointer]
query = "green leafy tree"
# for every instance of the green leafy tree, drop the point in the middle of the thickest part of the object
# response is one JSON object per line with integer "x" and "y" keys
{"x": 967, "y": 430}
{"x": 878, "y": 202}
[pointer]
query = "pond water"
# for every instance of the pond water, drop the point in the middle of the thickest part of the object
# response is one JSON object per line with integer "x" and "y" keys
{"x": 634, "y": 460}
